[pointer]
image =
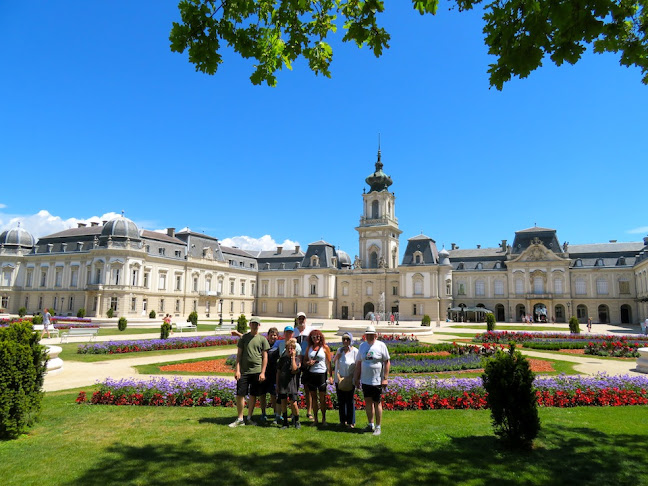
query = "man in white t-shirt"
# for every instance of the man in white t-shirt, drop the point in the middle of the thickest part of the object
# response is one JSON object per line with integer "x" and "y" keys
{"x": 372, "y": 372}
{"x": 301, "y": 335}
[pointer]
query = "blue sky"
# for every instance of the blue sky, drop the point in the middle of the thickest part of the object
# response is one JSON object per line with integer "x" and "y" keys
{"x": 97, "y": 115}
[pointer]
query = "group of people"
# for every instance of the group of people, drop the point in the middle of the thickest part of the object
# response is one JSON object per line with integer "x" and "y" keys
{"x": 269, "y": 366}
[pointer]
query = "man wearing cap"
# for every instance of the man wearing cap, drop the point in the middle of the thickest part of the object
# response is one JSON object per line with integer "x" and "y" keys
{"x": 251, "y": 363}
{"x": 289, "y": 333}
{"x": 301, "y": 335}
{"x": 372, "y": 371}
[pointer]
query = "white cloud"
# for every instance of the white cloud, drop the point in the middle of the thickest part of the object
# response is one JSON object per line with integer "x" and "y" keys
{"x": 640, "y": 230}
{"x": 2, "y": 206}
{"x": 266, "y": 242}
{"x": 43, "y": 223}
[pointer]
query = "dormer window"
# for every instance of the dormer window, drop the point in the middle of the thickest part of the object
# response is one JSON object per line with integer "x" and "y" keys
{"x": 314, "y": 261}
{"x": 460, "y": 266}
{"x": 599, "y": 263}
{"x": 621, "y": 261}
{"x": 480, "y": 266}
{"x": 498, "y": 265}
{"x": 578, "y": 263}
{"x": 418, "y": 257}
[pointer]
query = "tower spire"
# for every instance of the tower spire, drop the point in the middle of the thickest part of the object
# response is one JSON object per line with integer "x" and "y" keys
{"x": 379, "y": 164}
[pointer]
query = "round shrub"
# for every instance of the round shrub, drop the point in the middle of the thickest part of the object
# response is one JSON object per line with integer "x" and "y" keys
{"x": 22, "y": 311}
{"x": 122, "y": 323}
{"x": 490, "y": 322}
{"x": 241, "y": 324}
{"x": 574, "y": 326}
{"x": 37, "y": 319}
{"x": 110, "y": 313}
{"x": 193, "y": 318}
{"x": 425, "y": 321}
{"x": 152, "y": 314}
{"x": 508, "y": 380}
{"x": 81, "y": 313}
{"x": 165, "y": 329}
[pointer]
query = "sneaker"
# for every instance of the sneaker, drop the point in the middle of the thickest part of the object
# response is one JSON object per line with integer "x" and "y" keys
{"x": 249, "y": 421}
{"x": 264, "y": 418}
{"x": 297, "y": 425}
{"x": 369, "y": 428}
{"x": 376, "y": 430}
{"x": 237, "y": 423}
{"x": 286, "y": 426}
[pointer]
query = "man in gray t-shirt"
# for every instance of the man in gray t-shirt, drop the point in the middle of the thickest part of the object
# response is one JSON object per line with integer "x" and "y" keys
{"x": 372, "y": 371}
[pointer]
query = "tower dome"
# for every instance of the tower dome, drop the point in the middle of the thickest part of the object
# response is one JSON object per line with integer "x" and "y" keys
{"x": 444, "y": 257}
{"x": 378, "y": 181}
{"x": 120, "y": 228}
{"x": 344, "y": 259}
{"x": 17, "y": 237}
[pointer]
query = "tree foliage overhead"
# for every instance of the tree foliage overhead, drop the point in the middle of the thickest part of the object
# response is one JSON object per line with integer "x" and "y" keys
{"x": 519, "y": 33}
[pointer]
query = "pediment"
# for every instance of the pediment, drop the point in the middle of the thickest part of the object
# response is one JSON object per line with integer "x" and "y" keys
{"x": 537, "y": 252}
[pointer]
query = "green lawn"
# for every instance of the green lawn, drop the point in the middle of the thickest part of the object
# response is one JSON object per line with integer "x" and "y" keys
{"x": 81, "y": 445}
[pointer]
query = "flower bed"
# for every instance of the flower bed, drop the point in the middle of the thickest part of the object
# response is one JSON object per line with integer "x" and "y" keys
{"x": 624, "y": 346}
{"x": 402, "y": 393}
{"x": 136, "y": 346}
{"x": 523, "y": 336}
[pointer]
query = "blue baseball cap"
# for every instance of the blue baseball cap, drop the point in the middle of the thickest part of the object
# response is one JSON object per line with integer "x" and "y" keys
{"x": 289, "y": 329}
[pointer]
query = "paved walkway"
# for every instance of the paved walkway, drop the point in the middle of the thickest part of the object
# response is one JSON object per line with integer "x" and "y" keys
{"x": 79, "y": 374}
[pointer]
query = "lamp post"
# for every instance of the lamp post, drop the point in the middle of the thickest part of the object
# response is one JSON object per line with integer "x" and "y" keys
{"x": 568, "y": 310}
{"x": 220, "y": 312}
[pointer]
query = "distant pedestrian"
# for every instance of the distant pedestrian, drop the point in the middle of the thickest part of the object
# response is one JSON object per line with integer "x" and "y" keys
{"x": 646, "y": 326}
{"x": 589, "y": 324}
{"x": 47, "y": 324}
{"x": 391, "y": 319}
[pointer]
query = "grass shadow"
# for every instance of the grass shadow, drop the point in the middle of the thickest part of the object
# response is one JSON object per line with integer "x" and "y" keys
{"x": 562, "y": 455}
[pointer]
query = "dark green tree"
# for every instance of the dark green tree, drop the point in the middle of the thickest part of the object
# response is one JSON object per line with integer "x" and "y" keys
{"x": 508, "y": 380}
{"x": 519, "y": 33}
{"x": 122, "y": 323}
{"x": 193, "y": 318}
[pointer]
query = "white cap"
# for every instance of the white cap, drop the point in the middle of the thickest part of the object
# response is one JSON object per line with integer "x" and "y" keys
{"x": 301, "y": 314}
{"x": 370, "y": 330}
{"x": 255, "y": 319}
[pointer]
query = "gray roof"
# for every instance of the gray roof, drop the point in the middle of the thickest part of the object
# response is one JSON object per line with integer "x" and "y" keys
{"x": 628, "y": 249}
{"x": 75, "y": 233}
{"x": 154, "y": 235}
{"x": 524, "y": 239}
{"x": 236, "y": 251}
{"x": 427, "y": 247}
{"x": 120, "y": 228}
{"x": 324, "y": 251}
{"x": 480, "y": 253}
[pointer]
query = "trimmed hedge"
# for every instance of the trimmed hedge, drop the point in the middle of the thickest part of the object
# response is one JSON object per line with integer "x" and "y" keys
{"x": 23, "y": 363}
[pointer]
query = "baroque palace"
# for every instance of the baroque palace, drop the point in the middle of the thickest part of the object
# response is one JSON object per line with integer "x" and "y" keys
{"x": 116, "y": 265}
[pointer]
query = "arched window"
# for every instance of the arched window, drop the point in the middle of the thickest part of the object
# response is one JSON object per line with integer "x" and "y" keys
{"x": 373, "y": 259}
{"x": 374, "y": 210}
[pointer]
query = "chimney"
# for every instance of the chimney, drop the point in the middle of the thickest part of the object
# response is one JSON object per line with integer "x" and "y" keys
{"x": 503, "y": 244}
{"x": 297, "y": 248}
{"x": 94, "y": 223}
{"x": 81, "y": 225}
{"x": 453, "y": 246}
{"x": 171, "y": 231}
{"x": 103, "y": 223}
{"x": 646, "y": 240}
{"x": 613, "y": 241}
{"x": 279, "y": 250}
{"x": 478, "y": 247}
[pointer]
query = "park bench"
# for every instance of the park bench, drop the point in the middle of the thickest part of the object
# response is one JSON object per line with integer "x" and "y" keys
{"x": 79, "y": 331}
{"x": 185, "y": 326}
{"x": 40, "y": 327}
{"x": 317, "y": 325}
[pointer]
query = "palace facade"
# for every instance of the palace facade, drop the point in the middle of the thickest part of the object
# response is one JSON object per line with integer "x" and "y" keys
{"x": 117, "y": 265}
